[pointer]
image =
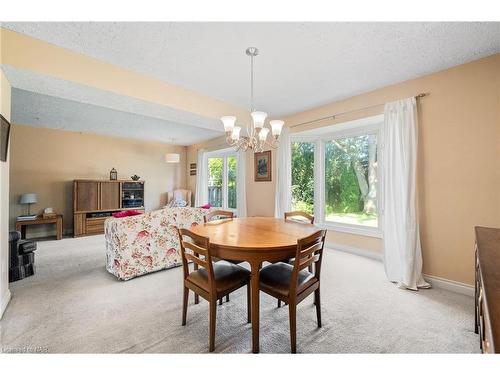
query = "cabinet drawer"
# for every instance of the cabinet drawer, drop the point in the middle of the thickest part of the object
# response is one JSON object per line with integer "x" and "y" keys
{"x": 95, "y": 230}
{"x": 95, "y": 225}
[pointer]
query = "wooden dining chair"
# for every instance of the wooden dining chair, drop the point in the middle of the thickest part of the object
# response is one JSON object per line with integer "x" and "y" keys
{"x": 293, "y": 283}
{"x": 218, "y": 214}
{"x": 212, "y": 281}
{"x": 309, "y": 219}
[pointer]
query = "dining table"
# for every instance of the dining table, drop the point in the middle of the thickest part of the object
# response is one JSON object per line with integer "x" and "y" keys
{"x": 254, "y": 240}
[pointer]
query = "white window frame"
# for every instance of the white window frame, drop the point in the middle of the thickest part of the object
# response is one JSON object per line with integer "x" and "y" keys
{"x": 320, "y": 136}
{"x": 224, "y": 154}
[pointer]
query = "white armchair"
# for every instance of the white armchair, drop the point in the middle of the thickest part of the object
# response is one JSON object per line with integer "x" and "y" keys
{"x": 180, "y": 194}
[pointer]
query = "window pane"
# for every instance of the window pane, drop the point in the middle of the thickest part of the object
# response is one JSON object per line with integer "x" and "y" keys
{"x": 231, "y": 181}
{"x": 351, "y": 180}
{"x": 215, "y": 166}
{"x": 303, "y": 176}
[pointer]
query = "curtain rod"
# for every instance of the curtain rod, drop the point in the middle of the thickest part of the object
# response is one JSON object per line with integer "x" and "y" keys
{"x": 332, "y": 117}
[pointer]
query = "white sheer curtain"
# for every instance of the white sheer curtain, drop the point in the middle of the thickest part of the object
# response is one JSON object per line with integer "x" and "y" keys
{"x": 402, "y": 252}
{"x": 241, "y": 195}
{"x": 282, "y": 202}
{"x": 201, "y": 196}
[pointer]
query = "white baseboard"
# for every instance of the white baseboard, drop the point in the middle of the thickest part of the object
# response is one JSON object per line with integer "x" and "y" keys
{"x": 452, "y": 286}
{"x": 355, "y": 250}
{"x": 4, "y": 302}
{"x": 437, "y": 282}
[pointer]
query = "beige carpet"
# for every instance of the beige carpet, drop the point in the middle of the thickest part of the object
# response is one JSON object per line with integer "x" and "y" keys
{"x": 73, "y": 305}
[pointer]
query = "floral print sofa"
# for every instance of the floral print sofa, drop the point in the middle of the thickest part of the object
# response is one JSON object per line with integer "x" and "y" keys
{"x": 136, "y": 245}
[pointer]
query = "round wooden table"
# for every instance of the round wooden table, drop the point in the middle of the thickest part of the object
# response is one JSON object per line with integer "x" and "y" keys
{"x": 254, "y": 240}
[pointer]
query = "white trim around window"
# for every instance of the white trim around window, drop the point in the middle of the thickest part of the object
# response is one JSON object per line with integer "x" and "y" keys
{"x": 320, "y": 136}
{"x": 224, "y": 154}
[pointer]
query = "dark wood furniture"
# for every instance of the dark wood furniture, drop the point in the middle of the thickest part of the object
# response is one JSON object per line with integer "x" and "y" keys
{"x": 58, "y": 221}
{"x": 254, "y": 240}
{"x": 290, "y": 215}
{"x": 292, "y": 284}
{"x": 218, "y": 214}
{"x": 95, "y": 200}
{"x": 487, "y": 296}
{"x": 213, "y": 281}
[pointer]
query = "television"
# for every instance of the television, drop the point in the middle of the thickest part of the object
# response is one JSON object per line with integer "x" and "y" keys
{"x": 4, "y": 138}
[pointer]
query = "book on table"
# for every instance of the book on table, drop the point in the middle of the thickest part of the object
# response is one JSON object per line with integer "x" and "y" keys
{"x": 26, "y": 217}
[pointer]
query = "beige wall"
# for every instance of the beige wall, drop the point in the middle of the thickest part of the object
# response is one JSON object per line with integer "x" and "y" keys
{"x": 459, "y": 161}
{"x": 5, "y": 90}
{"x": 46, "y": 161}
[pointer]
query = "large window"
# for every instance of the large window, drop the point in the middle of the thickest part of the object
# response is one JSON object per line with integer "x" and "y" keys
{"x": 222, "y": 177}
{"x": 334, "y": 174}
{"x": 303, "y": 176}
{"x": 351, "y": 180}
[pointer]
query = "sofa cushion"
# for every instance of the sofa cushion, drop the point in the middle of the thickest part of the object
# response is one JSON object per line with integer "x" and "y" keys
{"x": 228, "y": 276}
{"x": 126, "y": 213}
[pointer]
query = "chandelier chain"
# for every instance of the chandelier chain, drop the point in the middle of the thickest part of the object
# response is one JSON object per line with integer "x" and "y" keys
{"x": 251, "y": 84}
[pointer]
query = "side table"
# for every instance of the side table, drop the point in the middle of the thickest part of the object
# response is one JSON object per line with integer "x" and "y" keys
{"x": 58, "y": 221}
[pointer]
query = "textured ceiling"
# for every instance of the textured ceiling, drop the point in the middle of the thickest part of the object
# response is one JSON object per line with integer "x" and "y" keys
{"x": 47, "y": 85}
{"x": 35, "y": 109}
{"x": 301, "y": 65}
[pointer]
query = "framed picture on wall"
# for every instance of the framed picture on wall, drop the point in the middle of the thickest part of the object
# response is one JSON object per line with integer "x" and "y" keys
{"x": 262, "y": 166}
{"x": 192, "y": 169}
{"x": 4, "y": 138}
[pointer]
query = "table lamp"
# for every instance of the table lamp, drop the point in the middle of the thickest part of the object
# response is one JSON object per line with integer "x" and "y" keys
{"x": 28, "y": 199}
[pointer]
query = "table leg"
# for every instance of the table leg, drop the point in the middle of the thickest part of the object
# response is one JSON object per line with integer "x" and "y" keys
{"x": 23, "y": 232}
{"x": 59, "y": 229}
{"x": 255, "y": 268}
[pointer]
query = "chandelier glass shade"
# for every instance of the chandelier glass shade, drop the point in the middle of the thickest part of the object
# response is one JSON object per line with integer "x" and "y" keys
{"x": 258, "y": 136}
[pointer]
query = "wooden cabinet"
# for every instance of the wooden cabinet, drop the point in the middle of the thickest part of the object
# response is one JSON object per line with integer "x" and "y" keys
{"x": 487, "y": 296}
{"x": 94, "y": 201}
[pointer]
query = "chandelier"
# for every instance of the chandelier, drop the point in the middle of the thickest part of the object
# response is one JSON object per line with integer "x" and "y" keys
{"x": 258, "y": 137}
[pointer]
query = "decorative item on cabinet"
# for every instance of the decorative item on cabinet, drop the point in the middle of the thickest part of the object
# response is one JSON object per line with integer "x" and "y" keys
{"x": 113, "y": 175}
{"x": 135, "y": 178}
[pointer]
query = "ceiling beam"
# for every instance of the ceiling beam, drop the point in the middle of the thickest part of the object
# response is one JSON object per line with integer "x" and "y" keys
{"x": 31, "y": 54}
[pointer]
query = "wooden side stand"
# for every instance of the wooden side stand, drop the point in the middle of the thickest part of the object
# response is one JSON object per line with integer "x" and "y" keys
{"x": 58, "y": 221}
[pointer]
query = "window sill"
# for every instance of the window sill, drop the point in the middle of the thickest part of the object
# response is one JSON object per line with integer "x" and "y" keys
{"x": 353, "y": 229}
